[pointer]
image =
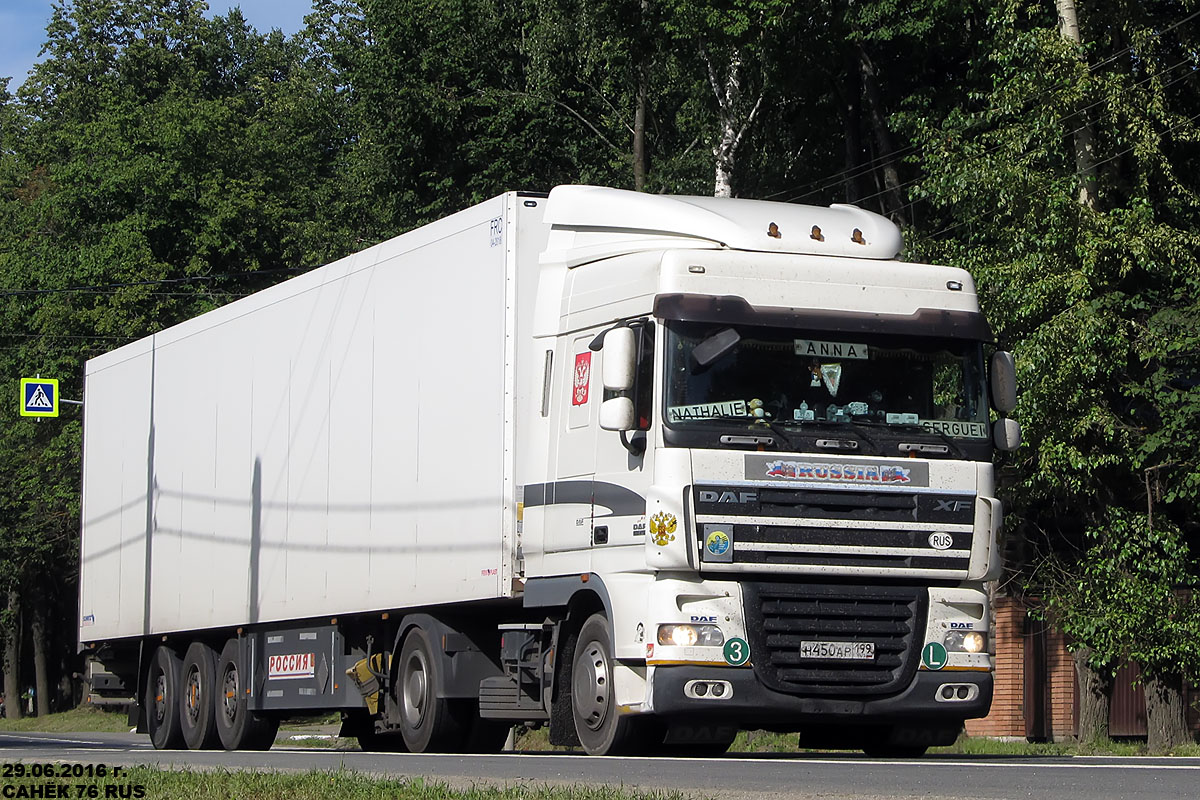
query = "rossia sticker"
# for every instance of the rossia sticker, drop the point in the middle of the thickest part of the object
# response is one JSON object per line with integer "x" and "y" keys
{"x": 717, "y": 543}
{"x": 291, "y": 665}
{"x": 662, "y": 528}
{"x": 583, "y": 376}
{"x": 850, "y": 473}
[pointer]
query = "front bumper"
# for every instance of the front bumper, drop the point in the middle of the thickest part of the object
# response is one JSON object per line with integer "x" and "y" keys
{"x": 751, "y": 704}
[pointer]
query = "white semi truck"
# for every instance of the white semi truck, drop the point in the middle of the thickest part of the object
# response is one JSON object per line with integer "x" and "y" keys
{"x": 645, "y": 469}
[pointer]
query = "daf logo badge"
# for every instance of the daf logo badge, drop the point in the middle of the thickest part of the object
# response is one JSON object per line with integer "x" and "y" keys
{"x": 728, "y": 497}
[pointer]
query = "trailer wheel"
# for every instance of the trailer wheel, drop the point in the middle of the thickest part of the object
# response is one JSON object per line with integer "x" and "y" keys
{"x": 162, "y": 700}
{"x": 601, "y": 730}
{"x": 238, "y": 727}
{"x": 427, "y": 723}
{"x": 198, "y": 698}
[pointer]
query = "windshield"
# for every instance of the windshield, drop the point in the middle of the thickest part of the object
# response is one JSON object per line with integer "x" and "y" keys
{"x": 754, "y": 376}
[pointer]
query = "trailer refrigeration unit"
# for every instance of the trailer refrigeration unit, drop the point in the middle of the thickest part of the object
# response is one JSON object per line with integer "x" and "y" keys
{"x": 645, "y": 469}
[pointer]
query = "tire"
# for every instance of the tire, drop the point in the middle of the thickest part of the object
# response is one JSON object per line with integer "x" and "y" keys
{"x": 198, "y": 698}
{"x": 428, "y": 723}
{"x": 238, "y": 727}
{"x": 162, "y": 700}
{"x": 601, "y": 730}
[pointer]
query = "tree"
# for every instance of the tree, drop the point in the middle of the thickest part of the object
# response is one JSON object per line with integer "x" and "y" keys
{"x": 155, "y": 165}
{"x": 1087, "y": 294}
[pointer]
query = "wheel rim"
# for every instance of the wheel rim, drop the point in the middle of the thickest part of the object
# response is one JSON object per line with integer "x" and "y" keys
{"x": 591, "y": 686}
{"x": 229, "y": 693}
{"x": 192, "y": 694}
{"x": 160, "y": 697}
{"x": 416, "y": 688}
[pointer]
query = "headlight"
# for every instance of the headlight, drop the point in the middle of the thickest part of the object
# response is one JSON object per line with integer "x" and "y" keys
{"x": 965, "y": 641}
{"x": 690, "y": 635}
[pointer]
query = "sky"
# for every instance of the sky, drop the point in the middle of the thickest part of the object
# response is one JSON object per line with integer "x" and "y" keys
{"x": 23, "y": 27}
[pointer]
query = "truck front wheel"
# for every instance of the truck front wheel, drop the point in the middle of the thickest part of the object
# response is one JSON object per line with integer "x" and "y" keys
{"x": 238, "y": 727}
{"x": 163, "y": 700}
{"x": 601, "y": 730}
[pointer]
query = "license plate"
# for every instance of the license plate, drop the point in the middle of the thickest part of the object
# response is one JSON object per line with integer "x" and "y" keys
{"x": 843, "y": 651}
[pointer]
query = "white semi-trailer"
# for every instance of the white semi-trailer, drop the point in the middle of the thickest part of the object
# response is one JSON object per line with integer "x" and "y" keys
{"x": 646, "y": 469}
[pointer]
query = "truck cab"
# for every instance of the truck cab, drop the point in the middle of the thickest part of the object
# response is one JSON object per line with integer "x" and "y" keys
{"x": 768, "y": 458}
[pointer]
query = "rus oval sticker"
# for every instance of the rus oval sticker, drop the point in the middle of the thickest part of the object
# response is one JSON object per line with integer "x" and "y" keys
{"x": 941, "y": 541}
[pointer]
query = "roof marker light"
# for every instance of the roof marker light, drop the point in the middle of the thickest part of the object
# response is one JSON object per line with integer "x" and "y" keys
{"x": 696, "y": 268}
{"x": 954, "y": 286}
{"x": 857, "y": 237}
{"x": 816, "y": 234}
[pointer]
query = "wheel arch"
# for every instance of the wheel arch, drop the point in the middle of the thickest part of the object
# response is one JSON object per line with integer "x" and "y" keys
{"x": 464, "y": 653}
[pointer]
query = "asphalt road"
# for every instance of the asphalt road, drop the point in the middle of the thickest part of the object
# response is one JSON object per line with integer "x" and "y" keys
{"x": 844, "y": 777}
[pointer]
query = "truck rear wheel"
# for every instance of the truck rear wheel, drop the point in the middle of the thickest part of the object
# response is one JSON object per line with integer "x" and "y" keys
{"x": 427, "y": 722}
{"x": 601, "y": 730}
{"x": 198, "y": 699}
{"x": 238, "y": 727}
{"x": 162, "y": 701}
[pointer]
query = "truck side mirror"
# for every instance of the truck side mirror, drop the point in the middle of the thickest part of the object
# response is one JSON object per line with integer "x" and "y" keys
{"x": 620, "y": 360}
{"x": 617, "y": 414}
{"x": 1006, "y": 433}
{"x": 1004, "y": 381}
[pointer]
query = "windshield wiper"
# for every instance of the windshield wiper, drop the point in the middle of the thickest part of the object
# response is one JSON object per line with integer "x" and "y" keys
{"x": 777, "y": 426}
{"x": 906, "y": 447}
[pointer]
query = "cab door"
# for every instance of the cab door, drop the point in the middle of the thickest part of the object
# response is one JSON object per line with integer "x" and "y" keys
{"x": 568, "y": 495}
{"x": 624, "y": 470}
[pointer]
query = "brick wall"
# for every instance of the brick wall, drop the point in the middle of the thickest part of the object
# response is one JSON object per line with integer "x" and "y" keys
{"x": 1007, "y": 717}
{"x": 1060, "y": 688}
{"x": 1011, "y": 635}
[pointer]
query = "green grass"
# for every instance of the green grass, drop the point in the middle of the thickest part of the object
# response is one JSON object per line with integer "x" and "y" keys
{"x": 157, "y": 784}
{"x": 84, "y": 719}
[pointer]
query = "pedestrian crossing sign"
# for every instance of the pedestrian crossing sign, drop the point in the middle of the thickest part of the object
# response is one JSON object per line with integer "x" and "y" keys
{"x": 39, "y": 397}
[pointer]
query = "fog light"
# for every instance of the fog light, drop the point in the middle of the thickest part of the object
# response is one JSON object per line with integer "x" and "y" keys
{"x": 947, "y": 691}
{"x": 701, "y": 689}
{"x": 718, "y": 689}
{"x": 963, "y": 691}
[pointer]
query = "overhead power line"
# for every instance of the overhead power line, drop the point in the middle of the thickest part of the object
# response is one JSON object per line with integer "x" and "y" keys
{"x": 1028, "y": 194}
{"x": 860, "y": 170}
{"x": 112, "y": 287}
{"x": 1000, "y": 146}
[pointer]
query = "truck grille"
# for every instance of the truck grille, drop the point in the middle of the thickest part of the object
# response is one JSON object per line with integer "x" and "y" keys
{"x": 812, "y": 531}
{"x": 779, "y": 616}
